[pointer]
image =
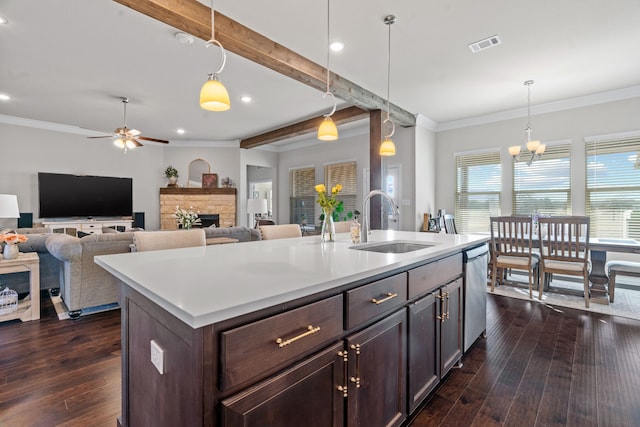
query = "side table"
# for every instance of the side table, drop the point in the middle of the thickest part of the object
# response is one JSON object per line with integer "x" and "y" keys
{"x": 29, "y": 307}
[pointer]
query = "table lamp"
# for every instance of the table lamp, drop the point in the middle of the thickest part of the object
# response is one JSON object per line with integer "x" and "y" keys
{"x": 257, "y": 207}
{"x": 9, "y": 207}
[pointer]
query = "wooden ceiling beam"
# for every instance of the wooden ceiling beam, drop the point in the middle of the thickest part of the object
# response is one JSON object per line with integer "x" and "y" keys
{"x": 194, "y": 18}
{"x": 346, "y": 115}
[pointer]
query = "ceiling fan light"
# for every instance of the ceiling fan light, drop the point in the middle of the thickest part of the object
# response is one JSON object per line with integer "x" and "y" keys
{"x": 327, "y": 130}
{"x": 387, "y": 148}
{"x": 214, "y": 96}
{"x": 119, "y": 143}
{"x": 130, "y": 144}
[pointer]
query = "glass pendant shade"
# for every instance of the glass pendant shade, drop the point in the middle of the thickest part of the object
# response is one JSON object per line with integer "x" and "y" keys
{"x": 387, "y": 148}
{"x": 540, "y": 149}
{"x": 119, "y": 143}
{"x": 214, "y": 96}
{"x": 514, "y": 150}
{"x": 532, "y": 146}
{"x": 327, "y": 130}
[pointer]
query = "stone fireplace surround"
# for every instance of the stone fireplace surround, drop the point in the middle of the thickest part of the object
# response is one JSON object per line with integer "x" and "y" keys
{"x": 207, "y": 201}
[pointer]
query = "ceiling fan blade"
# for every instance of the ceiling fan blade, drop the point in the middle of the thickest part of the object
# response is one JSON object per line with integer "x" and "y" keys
{"x": 144, "y": 138}
{"x": 135, "y": 142}
{"x": 133, "y": 132}
{"x": 106, "y": 136}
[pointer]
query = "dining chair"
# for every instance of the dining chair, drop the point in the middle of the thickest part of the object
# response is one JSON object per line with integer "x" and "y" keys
{"x": 168, "y": 239}
{"x": 282, "y": 231}
{"x": 564, "y": 248}
{"x": 260, "y": 222}
{"x": 511, "y": 249}
{"x": 450, "y": 224}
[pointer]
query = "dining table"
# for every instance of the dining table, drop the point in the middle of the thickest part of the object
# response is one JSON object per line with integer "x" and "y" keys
{"x": 599, "y": 247}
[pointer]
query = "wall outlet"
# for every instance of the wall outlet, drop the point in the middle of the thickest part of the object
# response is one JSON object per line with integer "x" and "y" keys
{"x": 157, "y": 356}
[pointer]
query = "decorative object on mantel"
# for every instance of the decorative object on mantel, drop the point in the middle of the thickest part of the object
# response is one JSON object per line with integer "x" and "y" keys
{"x": 209, "y": 180}
{"x": 172, "y": 174}
{"x": 227, "y": 182}
{"x": 186, "y": 219}
{"x": 11, "y": 241}
{"x": 535, "y": 148}
{"x": 196, "y": 168}
{"x": 329, "y": 204}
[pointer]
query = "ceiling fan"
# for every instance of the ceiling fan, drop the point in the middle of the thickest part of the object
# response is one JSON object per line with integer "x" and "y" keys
{"x": 127, "y": 138}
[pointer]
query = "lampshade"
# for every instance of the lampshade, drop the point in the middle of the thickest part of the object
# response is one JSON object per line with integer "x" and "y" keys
{"x": 9, "y": 206}
{"x": 533, "y": 145}
{"x": 257, "y": 206}
{"x": 514, "y": 150}
{"x": 540, "y": 149}
{"x": 214, "y": 96}
{"x": 387, "y": 148}
{"x": 327, "y": 130}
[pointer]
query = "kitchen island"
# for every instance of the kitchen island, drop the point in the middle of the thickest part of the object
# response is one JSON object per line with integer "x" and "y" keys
{"x": 290, "y": 331}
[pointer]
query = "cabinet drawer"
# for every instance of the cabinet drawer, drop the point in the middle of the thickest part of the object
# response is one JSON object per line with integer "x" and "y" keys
{"x": 368, "y": 301}
{"x": 257, "y": 349}
{"x": 428, "y": 277}
{"x": 91, "y": 228}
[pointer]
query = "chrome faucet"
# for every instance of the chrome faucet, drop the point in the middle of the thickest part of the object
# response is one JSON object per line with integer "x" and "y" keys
{"x": 365, "y": 213}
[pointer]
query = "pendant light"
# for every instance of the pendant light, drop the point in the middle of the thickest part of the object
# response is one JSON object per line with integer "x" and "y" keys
{"x": 388, "y": 148}
{"x": 213, "y": 95}
{"x": 535, "y": 148}
{"x": 328, "y": 130}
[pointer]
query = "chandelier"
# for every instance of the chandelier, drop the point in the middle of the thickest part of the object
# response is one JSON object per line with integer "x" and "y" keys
{"x": 534, "y": 148}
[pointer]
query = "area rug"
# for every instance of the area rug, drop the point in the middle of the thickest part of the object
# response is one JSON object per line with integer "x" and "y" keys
{"x": 627, "y": 301}
{"x": 63, "y": 312}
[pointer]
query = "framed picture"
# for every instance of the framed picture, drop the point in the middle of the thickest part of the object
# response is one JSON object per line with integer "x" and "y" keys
{"x": 209, "y": 180}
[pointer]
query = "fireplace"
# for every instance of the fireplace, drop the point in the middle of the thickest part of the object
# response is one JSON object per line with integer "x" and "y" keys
{"x": 207, "y": 220}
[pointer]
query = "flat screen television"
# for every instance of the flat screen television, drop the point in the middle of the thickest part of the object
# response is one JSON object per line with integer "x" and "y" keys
{"x": 65, "y": 196}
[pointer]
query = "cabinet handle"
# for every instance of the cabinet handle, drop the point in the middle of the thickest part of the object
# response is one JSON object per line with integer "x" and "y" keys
{"x": 356, "y": 379}
{"x": 448, "y": 304}
{"x": 310, "y": 330}
{"x": 443, "y": 316}
{"x": 387, "y": 298}
{"x": 345, "y": 373}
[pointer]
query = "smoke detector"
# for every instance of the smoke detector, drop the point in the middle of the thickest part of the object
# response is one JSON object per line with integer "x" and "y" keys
{"x": 184, "y": 38}
{"x": 485, "y": 43}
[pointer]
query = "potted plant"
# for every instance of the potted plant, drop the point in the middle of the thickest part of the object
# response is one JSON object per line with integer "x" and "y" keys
{"x": 172, "y": 174}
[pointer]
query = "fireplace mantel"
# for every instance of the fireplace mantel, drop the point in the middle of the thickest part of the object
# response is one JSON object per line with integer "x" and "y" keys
{"x": 221, "y": 201}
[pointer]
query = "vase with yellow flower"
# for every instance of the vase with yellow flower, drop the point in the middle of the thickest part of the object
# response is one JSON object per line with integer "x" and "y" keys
{"x": 328, "y": 203}
{"x": 11, "y": 241}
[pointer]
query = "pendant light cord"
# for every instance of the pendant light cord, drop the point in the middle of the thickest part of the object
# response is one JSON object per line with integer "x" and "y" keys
{"x": 390, "y": 19}
{"x": 328, "y": 92}
{"x": 213, "y": 41}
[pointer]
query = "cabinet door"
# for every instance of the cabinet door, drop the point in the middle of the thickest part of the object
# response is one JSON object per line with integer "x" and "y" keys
{"x": 305, "y": 395}
{"x": 424, "y": 348}
{"x": 377, "y": 373}
{"x": 451, "y": 325}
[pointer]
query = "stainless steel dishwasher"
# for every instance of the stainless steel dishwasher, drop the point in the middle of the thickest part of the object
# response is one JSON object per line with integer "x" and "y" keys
{"x": 475, "y": 293}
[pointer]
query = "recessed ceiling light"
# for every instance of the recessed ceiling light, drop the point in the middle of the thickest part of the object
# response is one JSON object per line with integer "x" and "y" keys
{"x": 245, "y": 99}
{"x": 336, "y": 46}
{"x": 3, "y": 20}
{"x": 4, "y": 97}
{"x": 180, "y": 131}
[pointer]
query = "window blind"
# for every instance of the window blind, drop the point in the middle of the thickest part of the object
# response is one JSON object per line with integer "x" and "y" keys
{"x": 613, "y": 188}
{"x": 345, "y": 174}
{"x": 478, "y": 180}
{"x": 302, "y": 195}
{"x": 544, "y": 186}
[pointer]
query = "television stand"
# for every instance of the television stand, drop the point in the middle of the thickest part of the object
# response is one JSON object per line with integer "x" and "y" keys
{"x": 93, "y": 226}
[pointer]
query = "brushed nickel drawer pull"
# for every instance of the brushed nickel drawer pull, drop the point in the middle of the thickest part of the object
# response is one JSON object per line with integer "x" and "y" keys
{"x": 310, "y": 330}
{"x": 387, "y": 298}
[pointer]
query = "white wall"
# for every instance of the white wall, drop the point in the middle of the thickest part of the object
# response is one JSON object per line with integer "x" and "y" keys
{"x": 27, "y": 151}
{"x": 425, "y": 175}
{"x": 573, "y": 125}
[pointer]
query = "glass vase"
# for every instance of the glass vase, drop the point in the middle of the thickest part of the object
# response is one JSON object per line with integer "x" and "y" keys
{"x": 328, "y": 232}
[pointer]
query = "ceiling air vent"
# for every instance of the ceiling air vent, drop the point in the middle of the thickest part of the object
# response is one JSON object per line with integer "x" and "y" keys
{"x": 485, "y": 43}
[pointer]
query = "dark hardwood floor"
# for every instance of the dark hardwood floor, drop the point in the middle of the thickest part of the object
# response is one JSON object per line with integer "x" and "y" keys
{"x": 537, "y": 367}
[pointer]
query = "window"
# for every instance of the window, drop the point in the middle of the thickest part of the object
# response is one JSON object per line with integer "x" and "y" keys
{"x": 302, "y": 195}
{"x": 346, "y": 175}
{"x": 545, "y": 185}
{"x": 478, "y": 180}
{"x": 613, "y": 188}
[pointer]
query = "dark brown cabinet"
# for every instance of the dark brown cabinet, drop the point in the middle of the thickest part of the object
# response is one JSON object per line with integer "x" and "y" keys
{"x": 377, "y": 373}
{"x": 450, "y": 326}
{"x": 305, "y": 395}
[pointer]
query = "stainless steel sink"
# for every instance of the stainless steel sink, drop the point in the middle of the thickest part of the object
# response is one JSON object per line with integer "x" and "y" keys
{"x": 393, "y": 247}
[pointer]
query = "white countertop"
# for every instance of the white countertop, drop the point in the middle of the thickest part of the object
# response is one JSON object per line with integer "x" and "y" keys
{"x": 205, "y": 285}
